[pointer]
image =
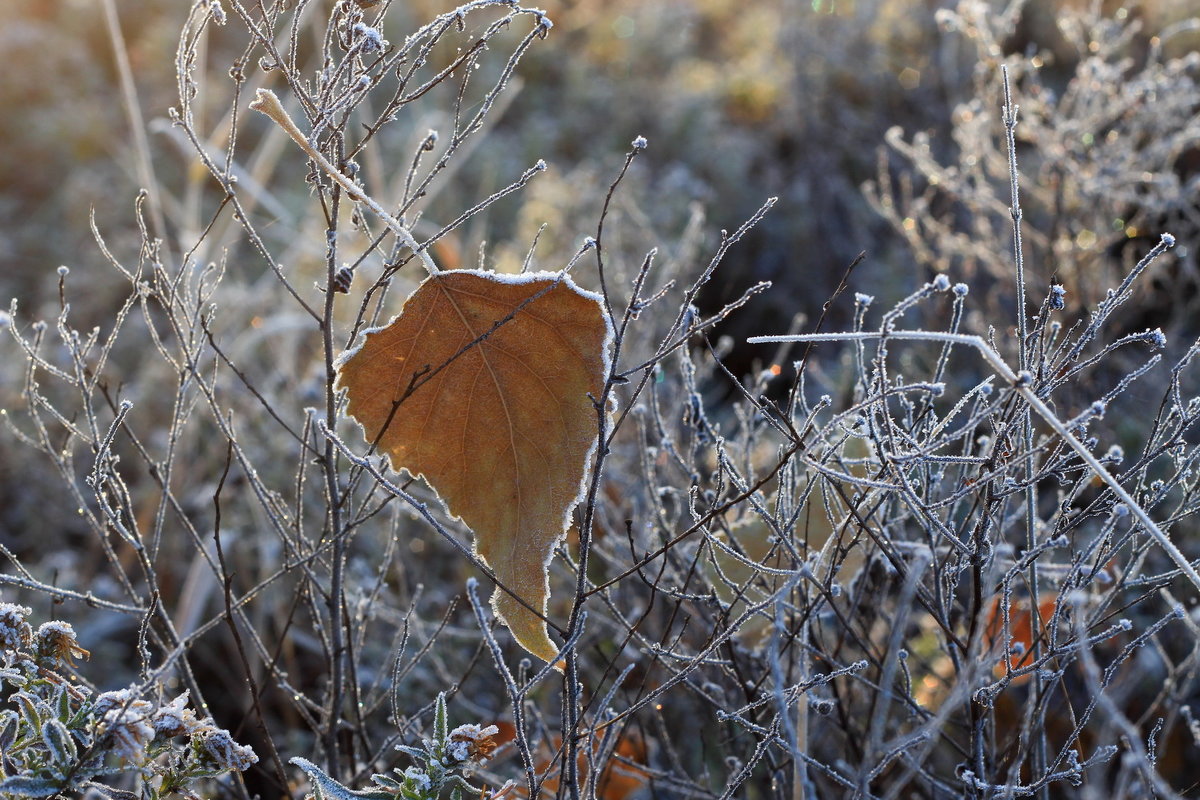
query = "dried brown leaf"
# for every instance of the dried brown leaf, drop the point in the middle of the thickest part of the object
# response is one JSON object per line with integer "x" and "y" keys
{"x": 495, "y": 417}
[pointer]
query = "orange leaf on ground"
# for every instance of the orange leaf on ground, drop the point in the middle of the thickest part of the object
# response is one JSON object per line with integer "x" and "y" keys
{"x": 618, "y": 779}
{"x": 1020, "y": 621}
{"x": 496, "y": 419}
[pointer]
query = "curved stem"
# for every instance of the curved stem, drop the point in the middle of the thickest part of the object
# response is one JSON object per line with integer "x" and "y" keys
{"x": 266, "y": 102}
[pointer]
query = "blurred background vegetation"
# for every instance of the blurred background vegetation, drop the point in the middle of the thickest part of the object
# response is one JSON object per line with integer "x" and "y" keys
{"x": 739, "y": 101}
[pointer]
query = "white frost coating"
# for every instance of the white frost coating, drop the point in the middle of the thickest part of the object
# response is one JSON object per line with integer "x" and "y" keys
{"x": 417, "y": 775}
{"x": 1019, "y": 382}
{"x": 515, "y": 280}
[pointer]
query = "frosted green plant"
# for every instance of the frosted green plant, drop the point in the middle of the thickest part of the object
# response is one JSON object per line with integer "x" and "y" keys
{"x": 57, "y": 735}
{"x": 442, "y": 765}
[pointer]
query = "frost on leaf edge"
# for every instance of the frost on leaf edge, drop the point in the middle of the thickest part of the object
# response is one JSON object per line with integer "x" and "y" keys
{"x": 516, "y": 279}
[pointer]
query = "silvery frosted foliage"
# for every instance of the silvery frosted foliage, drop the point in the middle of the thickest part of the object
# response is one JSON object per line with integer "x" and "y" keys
{"x": 14, "y": 630}
{"x": 59, "y": 736}
{"x": 442, "y": 764}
